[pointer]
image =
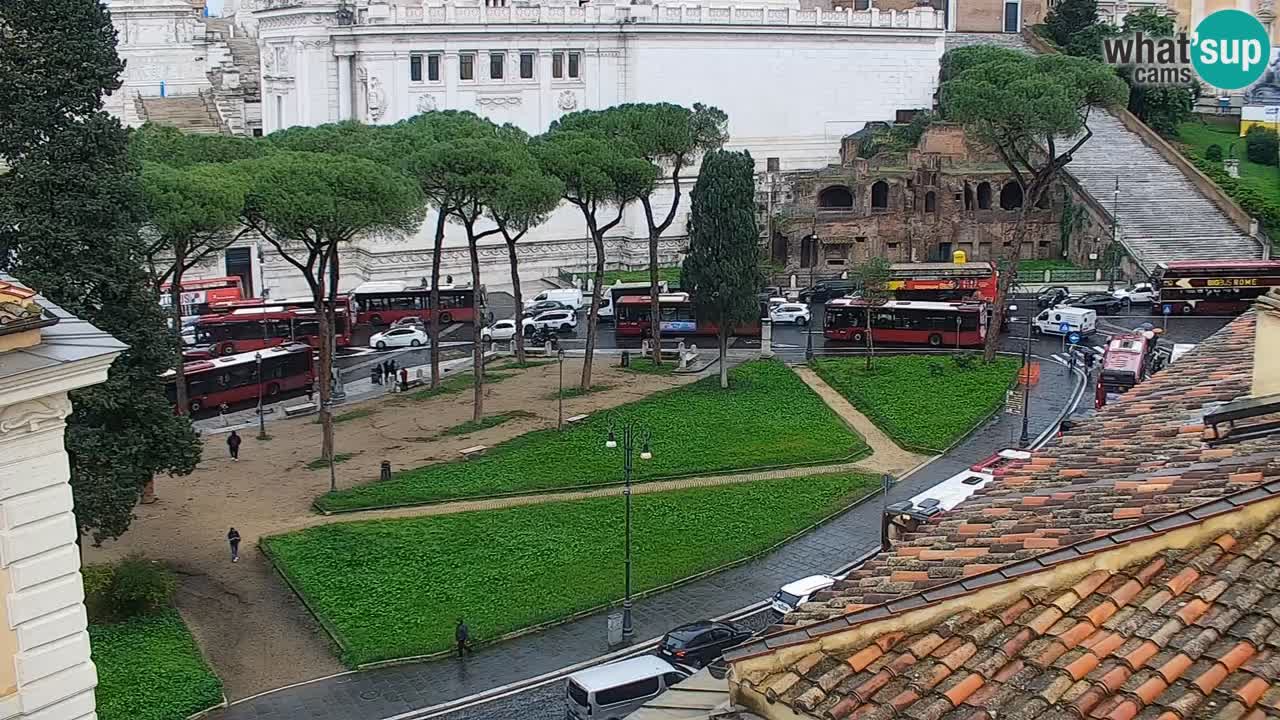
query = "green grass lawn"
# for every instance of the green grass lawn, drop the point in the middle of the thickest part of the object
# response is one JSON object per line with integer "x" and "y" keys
{"x": 768, "y": 417}
{"x": 1034, "y": 269}
{"x": 150, "y": 669}
{"x": 922, "y": 402}
{"x": 670, "y": 275}
{"x": 1197, "y": 136}
{"x": 395, "y": 588}
{"x": 645, "y": 366}
{"x": 486, "y": 422}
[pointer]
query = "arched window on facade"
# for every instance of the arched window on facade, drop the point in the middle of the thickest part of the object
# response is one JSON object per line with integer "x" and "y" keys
{"x": 808, "y": 251}
{"x": 836, "y": 197}
{"x": 779, "y": 248}
{"x": 984, "y": 196}
{"x": 1044, "y": 203}
{"x": 1011, "y": 196}
{"x": 931, "y": 202}
{"x": 968, "y": 197}
{"x": 880, "y": 195}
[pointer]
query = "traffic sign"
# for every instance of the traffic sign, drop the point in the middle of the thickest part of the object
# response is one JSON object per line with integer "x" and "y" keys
{"x": 1064, "y": 327}
{"x": 1167, "y": 309}
{"x": 1074, "y": 338}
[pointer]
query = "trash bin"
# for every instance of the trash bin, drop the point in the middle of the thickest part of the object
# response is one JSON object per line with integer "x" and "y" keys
{"x": 615, "y": 628}
{"x": 385, "y": 475}
{"x": 626, "y": 358}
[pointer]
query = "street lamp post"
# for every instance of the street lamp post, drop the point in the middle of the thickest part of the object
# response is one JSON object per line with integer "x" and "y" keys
{"x": 560, "y": 395}
{"x": 628, "y": 447}
{"x": 262, "y": 422}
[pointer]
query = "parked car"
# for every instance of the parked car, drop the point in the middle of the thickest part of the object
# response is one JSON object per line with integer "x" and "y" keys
{"x": 1139, "y": 294}
{"x": 793, "y": 594}
{"x": 400, "y": 337}
{"x": 502, "y": 330}
{"x": 1100, "y": 302}
{"x": 696, "y": 644}
{"x": 790, "y": 313}
{"x": 826, "y": 290}
{"x": 558, "y": 320}
{"x": 1047, "y": 297}
{"x": 571, "y": 297}
{"x": 615, "y": 690}
{"x": 543, "y": 306}
{"x": 409, "y": 322}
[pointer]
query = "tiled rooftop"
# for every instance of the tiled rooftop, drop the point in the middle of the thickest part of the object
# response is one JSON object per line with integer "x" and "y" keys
{"x": 69, "y": 340}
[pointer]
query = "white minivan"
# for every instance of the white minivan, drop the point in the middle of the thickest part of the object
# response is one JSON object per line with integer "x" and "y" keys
{"x": 1080, "y": 320}
{"x": 571, "y": 297}
{"x": 614, "y": 691}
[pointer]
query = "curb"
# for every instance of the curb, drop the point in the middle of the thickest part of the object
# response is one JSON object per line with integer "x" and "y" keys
{"x": 205, "y": 712}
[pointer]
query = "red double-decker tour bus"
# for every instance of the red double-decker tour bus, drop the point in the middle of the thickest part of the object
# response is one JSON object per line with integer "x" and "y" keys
{"x": 907, "y": 322}
{"x": 247, "y": 329}
{"x": 677, "y": 318}
{"x": 943, "y": 282}
{"x": 197, "y": 296}
{"x": 1214, "y": 287}
{"x": 382, "y": 303}
{"x": 234, "y": 378}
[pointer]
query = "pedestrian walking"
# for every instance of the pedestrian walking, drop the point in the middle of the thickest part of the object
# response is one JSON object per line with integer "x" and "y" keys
{"x": 233, "y": 539}
{"x": 311, "y": 391}
{"x": 404, "y": 379}
{"x": 1088, "y": 362}
{"x": 375, "y": 374}
{"x": 1071, "y": 362}
{"x": 233, "y": 444}
{"x": 462, "y": 634}
{"x": 386, "y": 370}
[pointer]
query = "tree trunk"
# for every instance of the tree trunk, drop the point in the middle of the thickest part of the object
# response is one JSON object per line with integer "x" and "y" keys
{"x": 175, "y": 299}
{"x": 435, "y": 298}
{"x": 325, "y": 371}
{"x": 723, "y": 338}
{"x": 1007, "y": 276}
{"x": 598, "y": 239}
{"x": 870, "y": 346}
{"x": 477, "y": 345}
{"x": 655, "y": 325}
{"x": 519, "y": 297}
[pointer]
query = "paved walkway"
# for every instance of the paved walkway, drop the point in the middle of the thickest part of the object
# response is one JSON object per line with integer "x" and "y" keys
{"x": 387, "y": 692}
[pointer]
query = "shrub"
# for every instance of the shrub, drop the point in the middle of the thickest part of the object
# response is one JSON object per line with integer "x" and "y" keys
{"x": 149, "y": 668}
{"x": 1213, "y": 153}
{"x": 140, "y": 587}
{"x": 1261, "y": 145}
{"x": 97, "y": 591}
{"x": 1266, "y": 210}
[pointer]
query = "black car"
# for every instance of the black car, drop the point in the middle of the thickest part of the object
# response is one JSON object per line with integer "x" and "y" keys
{"x": 544, "y": 306}
{"x": 826, "y": 290}
{"x": 1051, "y": 296}
{"x": 699, "y": 643}
{"x": 1102, "y": 303}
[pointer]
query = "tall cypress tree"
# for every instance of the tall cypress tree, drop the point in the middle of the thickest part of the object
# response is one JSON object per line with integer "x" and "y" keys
{"x": 69, "y": 216}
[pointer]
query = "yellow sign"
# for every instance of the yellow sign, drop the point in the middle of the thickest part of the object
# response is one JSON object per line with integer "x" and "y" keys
{"x": 1231, "y": 282}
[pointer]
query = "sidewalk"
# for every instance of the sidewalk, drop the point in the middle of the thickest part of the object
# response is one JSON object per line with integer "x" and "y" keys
{"x": 387, "y": 692}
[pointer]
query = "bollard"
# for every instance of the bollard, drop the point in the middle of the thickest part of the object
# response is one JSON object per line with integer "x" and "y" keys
{"x": 614, "y": 631}
{"x": 385, "y": 475}
{"x": 626, "y": 358}
{"x": 645, "y": 348}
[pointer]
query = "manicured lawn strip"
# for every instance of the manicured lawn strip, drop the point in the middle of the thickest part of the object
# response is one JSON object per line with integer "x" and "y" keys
{"x": 323, "y": 463}
{"x": 486, "y": 422}
{"x": 645, "y": 366}
{"x": 577, "y": 391}
{"x": 1033, "y": 270}
{"x": 457, "y": 383}
{"x": 670, "y": 275}
{"x": 150, "y": 669}
{"x": 768, "y": 417}
{"x": 395, "y": 588}
{"x": 918, "y": 408}
{"x": 1197, "y": 136}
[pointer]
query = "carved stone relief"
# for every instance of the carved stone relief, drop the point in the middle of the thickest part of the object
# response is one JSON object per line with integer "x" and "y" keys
{"x": 568, "y": 100}
{"x": 426, "y": 103}
{"x": 33, "y": 415}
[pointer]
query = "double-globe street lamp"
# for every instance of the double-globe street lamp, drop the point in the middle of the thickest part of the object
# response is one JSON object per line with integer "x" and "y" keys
{"x": 629, "y": 433}
{"x": 1025, "y": 438}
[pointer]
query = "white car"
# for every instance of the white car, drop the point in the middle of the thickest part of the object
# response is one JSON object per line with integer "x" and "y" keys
{"x": 1139, "y": 294}
{"x": 793, "y": 594}
{"x": 558, "y": 320}
{"x": 790, "y": 313}
{"x": 400, "y": 337}
{"x": 502, "y": 330}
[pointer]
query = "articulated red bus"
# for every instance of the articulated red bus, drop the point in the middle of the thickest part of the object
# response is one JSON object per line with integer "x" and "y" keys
{"x": 247, "y": 329}
{"x": 198, "y": 295}
{"x": 342, "y": 302}
{"x": 232, "y": 379}
{"x": 382, "y": 303}
{"x": 1217, "y": 287}
{"x": 944, "y": 282}
{"x": 678, "y": 318}
{"x": 907, "y": 322}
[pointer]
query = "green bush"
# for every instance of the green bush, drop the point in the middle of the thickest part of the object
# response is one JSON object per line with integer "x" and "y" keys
{"x": 394, "y": 588}
{"x": 767, "y": 417}
{"x": 1261, "y": 145}
{"x": 923, "y": 403}
{"x": 140, "y": 587}
{"x": 1213, "y": 153}
{"x": 1264, "y": 208}
{"x": 97, "y": 591}
{"x": 149, "y": 668}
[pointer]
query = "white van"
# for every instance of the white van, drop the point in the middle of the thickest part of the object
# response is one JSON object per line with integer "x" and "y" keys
{"x": 614, "y": 691}
{"x": 571, "y": 297}
{"x": 1078, "y": 320}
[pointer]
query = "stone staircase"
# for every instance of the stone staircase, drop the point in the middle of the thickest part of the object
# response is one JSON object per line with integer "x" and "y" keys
{"x": 243, "y": 50}
{"x": 188, "y": 113}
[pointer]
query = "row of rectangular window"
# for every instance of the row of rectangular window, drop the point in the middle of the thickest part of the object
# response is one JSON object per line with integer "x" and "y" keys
{"x": 563, "y": 64}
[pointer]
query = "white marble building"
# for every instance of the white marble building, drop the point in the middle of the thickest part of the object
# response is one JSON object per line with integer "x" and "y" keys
{"x": 45, "y": 670}
{"x": 792, "y": 81}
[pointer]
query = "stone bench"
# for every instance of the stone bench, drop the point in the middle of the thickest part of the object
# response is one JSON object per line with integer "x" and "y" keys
{"x": 473, "y": 450}
{"x": 577, "y": 419}
{"x": 300, "y": 409}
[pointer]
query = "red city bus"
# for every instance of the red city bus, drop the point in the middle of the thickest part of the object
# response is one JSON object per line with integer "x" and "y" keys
{"x": 943, "y": 282}
{"x": 198, "y": 295}
{"x": 907, "y": 322}
{"x": 678, "y": 318}
{"x": 1215, "y": 287}
{"x": 1128, "y": 361}
{"x": 232, "y": 379}
{"x": 382, "y": 303}
{"x": 342, "y": 302}
{"x": 246, "y": 329}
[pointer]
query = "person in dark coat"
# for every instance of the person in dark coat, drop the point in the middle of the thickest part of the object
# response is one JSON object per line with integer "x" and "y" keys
{"x": 462, "y": 635}
{"x": 233, "y": 538}
{"x": 233, "y": 444}
{"x": 404, "y": 379}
